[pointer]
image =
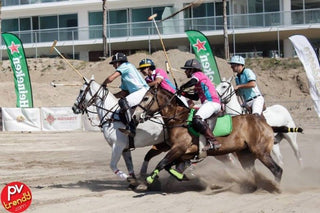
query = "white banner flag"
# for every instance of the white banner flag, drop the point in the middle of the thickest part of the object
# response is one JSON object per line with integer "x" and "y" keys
{"x": 310, "y": 63}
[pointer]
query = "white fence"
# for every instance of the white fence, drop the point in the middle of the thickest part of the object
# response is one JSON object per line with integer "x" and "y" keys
{"x": 46, "y": 119}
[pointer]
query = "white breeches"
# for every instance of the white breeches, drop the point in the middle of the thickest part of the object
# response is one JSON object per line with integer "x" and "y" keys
{"x": 136, "y": 97}
{"x": 256, "y": 105}
{"x": 208, "y": 108}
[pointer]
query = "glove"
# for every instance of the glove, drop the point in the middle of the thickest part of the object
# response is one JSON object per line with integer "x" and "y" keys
{"x": 180, "y": 92}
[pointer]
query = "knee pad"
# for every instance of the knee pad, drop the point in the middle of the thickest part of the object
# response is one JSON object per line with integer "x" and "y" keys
{"x": 198, "y": 124}
{"x": 123, "y": 103}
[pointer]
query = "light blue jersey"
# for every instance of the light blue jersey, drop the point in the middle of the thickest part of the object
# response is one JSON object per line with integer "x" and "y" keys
{"x": 131, "y": 79}
{"x": 243, "y": 78}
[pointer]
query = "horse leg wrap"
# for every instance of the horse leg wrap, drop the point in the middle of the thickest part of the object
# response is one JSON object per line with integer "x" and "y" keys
{"x": 151, "y": 178}
{"x": 179, "y": 176}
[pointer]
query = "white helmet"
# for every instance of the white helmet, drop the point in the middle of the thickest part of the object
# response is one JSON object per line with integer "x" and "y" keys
{"x": 237, "y": 59}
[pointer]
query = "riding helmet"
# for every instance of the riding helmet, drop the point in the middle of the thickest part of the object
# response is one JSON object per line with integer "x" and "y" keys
{"x": 237, "y": 59}
{"x": 146, "y": 63}
{"x": 192, "y": 64}
{"x": 119, "y": 57}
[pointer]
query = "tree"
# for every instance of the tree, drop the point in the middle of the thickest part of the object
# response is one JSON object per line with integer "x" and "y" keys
{"x": 225, "y": 30}
{"x": 104, "y": 28}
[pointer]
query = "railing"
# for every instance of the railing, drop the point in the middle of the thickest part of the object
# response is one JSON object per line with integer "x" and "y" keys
{"x": 126, "y": 31}
{"x": 175, "y": 26}
{"x": 23, "y": 2}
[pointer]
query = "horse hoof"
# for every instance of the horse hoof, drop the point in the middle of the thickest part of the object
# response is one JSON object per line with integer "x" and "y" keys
{"x": 132, "y": 181}
{"x": 141, "y": 187}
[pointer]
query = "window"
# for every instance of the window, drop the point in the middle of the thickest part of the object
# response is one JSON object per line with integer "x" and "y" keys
{"x": 296, "y": 4}
{"x": 48, "y": 22}
{"x": 141, "y": 15}
{"x": 120, "y": 18}
{"x": 255, "y": 6}
{"x": 95, "y": 23}
{"x": 69, "y": 21}
{"x": 25, "y": 25}
{"x": 312, "y": 4}
{"x": 9, "y": 25}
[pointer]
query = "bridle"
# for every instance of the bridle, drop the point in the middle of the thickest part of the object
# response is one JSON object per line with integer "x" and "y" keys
{"x": 149, "y": 114}
{"x": 83, "y": 106}
{"x": 228, "y": 93}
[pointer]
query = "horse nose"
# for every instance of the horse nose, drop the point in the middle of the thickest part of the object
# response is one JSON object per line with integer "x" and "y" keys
{"x": 75, "y": 109}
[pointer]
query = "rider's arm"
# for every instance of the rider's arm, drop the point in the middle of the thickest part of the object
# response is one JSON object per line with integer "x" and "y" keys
{"x": 111, "y": 78}
{"x": 155, "y": 82}
{"x": 250, "y": 84}
{"x": 193, "y": 96}
{"x": 190, "y": 83}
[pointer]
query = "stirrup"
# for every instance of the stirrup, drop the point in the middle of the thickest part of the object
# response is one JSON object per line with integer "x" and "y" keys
{"x": 211, "y": 146}
{"x": 127, "y": 132}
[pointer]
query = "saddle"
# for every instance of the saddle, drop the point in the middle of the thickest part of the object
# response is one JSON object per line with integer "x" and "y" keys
{"x": 222, "y": 124}
{"x": 248, "y": 109}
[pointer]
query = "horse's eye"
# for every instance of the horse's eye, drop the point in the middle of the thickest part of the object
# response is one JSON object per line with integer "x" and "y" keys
{"x": 145, "y": 99}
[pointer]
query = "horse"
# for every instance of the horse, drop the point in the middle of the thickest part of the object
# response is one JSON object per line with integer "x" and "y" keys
{"x": 107, "y": 108}
{"x": 276, "y": 115}
{"x": 251, "y": 137}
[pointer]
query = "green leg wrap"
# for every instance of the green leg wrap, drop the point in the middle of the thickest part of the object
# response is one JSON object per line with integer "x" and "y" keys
{"x": 151, "y": 178}
{"x": 176, "y": 174}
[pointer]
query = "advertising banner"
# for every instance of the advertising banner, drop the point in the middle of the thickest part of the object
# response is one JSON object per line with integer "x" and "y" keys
{"x": 20, "y": 70}
{"x": 60, "y": 119}
{"x": 21, "y": 119}
{"x": 202, "y": 50}
{"x": 310, "y": 63}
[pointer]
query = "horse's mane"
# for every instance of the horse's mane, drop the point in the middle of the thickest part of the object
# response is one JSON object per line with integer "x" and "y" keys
{"x": 170, "y": 95}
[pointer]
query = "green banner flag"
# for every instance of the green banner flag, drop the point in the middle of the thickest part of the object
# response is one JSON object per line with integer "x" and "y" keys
{"x": 20, "y": 70}
{"x": 203, "y": 53}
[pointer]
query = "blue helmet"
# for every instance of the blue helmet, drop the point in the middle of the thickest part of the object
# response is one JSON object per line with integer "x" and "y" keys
{"x": 237, "y": 59}
{"x": 146, "y": 63}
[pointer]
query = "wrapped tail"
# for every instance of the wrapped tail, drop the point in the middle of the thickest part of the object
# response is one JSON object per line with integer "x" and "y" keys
{"x": 285, "y": 129}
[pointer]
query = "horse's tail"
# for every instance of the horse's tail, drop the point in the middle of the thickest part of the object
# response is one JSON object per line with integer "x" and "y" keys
{"x": 285, "y": 129}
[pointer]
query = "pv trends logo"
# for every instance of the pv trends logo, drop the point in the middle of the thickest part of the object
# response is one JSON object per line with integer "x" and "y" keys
{"x": 16, "y": 197}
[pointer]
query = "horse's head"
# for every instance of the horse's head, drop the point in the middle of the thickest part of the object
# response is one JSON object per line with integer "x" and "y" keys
{"x": 85, "y": 97}
{"x": 147, "y": 107}
{"x": 155, "y": 100}
{"x": 225, "y": 90}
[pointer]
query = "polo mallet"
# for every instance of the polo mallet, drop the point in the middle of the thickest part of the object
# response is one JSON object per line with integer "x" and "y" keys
{"x": 53, "y": 47}
{"x": 192, "y": 4}
{"x": 168, "y": 64}
{"x": 52, "y": 83}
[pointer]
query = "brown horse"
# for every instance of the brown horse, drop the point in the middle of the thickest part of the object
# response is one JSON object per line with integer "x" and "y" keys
{"x": 251, "y": 138}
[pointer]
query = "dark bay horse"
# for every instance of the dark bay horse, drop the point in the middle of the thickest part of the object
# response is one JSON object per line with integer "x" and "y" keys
{"x": 251, "y": 138}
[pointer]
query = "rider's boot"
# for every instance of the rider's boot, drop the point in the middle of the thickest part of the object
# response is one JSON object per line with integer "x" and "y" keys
{"x": 203, "y": 128}
{"x": 130, "y": 129}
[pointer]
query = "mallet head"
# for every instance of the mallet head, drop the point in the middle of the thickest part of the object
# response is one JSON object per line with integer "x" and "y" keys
{"x": 152, "y": 17}
{"x": 53, "y": 46}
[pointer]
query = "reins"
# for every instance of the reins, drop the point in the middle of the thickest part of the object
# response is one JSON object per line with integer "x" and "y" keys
{"x": 161, "y": 107}
{"x": 92, "y": 101}
{"x": 227, "y": 98}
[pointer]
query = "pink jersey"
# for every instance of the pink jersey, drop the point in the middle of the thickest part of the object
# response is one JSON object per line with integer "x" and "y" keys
{"x": 165, "y": 83}
{"x": 205, "y": 88}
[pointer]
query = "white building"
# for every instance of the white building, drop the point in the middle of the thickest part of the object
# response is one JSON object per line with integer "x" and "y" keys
{"x": 255, "y": 27}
